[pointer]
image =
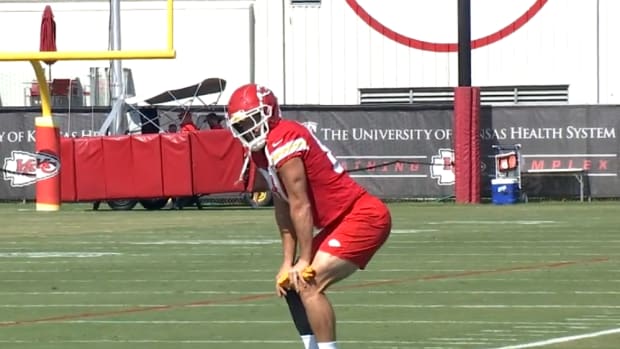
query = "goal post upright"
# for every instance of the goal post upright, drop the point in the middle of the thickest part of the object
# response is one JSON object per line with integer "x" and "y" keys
{"x": 47, "y": 133}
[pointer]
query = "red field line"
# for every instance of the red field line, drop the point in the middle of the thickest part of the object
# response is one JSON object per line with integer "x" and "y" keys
{"x": 74, "y": 316}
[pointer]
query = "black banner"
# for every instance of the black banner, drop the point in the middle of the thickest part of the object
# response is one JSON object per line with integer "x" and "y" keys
{"x": 17, "y": 138}
{"x": 362, "y": 138}
{"x": 551, "y": 137}
{"x": 568, "y": 137}
{"x": 419, "y": 138}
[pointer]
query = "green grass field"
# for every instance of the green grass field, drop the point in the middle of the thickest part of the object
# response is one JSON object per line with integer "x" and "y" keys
{"x": 541, "y": 275}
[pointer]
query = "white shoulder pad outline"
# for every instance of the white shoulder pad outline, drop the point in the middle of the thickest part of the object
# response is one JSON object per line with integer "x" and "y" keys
{"x": 283, "y": 151}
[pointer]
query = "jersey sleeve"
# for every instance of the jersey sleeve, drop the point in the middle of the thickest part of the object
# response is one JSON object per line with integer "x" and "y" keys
{"x": 291, "y": 145}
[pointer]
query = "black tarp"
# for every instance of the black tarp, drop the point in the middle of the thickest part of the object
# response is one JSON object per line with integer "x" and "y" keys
{"x": 418, "y": 136}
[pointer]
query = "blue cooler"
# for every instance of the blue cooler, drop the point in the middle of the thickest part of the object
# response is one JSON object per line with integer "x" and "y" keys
{"x": 504, "y": 191}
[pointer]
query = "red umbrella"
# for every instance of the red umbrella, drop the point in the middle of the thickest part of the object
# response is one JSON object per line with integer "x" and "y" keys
{"x": 47, "y": 40}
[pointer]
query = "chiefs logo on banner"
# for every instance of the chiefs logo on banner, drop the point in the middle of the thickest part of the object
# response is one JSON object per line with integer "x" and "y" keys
{"x": 24, "y": 168}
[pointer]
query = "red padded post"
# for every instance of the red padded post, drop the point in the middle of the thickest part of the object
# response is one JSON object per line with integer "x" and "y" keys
{"x": 462, "y": 140}
{"x": 475, "y": 173}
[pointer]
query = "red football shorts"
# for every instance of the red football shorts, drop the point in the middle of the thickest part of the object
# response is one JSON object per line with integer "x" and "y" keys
{"x": 360, "y": 232}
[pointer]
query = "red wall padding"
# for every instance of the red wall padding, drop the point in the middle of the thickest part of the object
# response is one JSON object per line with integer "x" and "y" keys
{"x": 117, "y": 161}
{"x": 462, "y": 139}
{"x": 176, "y": 160}
{"x": 475, "y": 146}
{"x": 146, "y": 169}
{"x": 67, "y": 170}
{"x": 216, "y": 162}
{"x": 151, "y": 165}
{"x": 89, "y": 168}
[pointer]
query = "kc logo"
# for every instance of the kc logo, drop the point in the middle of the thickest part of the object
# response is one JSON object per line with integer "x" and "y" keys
{"x": 498, "y": 20}
{"x": 442, "y": 168}
{"x": 24, "y": 168}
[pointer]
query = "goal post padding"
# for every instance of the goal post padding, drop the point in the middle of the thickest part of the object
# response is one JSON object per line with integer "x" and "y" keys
{"x": 467, "y": 144}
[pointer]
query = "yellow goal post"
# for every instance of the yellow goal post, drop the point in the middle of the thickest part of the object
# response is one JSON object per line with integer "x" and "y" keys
{"x": 47, "y": 141}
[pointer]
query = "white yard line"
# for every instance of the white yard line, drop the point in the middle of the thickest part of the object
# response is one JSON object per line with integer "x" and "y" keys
{"x": 446, "y": 279}
{"x": 87, "y": 281}
{"x": 520, "y": 222}
{"x": 253, "y": 253}
{"x": 56, "y": 254}
{"x": 209, "y": 264}
{"x": 231, "y": 242}
{"x": 413, "y": 231}
{"x": 358, "y": 305}
{"x": 203, "y": 341}
{"x": 352, "y": 322}
{"x": 516, "y": 324}
{"x": 26, "y": 245}
{"x": 538, "y": 280}
{"x": 176, "y": 271}
{"x": 243, "y": 292}
{"x": 562, "y": 339}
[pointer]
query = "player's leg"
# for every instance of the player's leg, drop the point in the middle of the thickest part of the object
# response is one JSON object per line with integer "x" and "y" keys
{"x": 343, "y": 249}
{"x": 298, "y": 309}
{"x": 300, "y": 318}
{"x": 320, "y": 312}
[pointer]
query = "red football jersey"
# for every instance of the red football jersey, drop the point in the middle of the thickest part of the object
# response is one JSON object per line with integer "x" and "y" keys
{"x": 330, "y": 189}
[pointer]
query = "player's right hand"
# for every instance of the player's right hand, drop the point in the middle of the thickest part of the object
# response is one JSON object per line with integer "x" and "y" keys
{"x": 282, "y": 281}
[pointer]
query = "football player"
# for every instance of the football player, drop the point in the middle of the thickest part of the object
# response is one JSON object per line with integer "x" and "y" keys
{"x": 330, "y": 226}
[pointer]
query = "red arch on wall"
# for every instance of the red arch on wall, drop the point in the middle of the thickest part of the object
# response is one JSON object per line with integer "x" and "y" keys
{"x": 445, "y": 47}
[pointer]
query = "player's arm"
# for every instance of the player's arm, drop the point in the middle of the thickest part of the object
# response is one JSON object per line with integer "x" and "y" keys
{"x": 293, "y": 176}
{"x": 283, "y": 219}
{"x": 287, "y": 231}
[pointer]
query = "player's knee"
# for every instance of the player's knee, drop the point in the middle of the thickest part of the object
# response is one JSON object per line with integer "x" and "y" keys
{"x": 324, "y": 278}
{"x": 309, "y": 292}
{"x": 329, "y": 270}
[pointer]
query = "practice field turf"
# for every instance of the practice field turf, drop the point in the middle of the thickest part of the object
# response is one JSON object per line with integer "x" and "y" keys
{"x": 530, "y": 275}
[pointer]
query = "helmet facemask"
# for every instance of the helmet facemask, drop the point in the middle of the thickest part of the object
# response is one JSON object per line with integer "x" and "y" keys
{"x": 251, "y": 127}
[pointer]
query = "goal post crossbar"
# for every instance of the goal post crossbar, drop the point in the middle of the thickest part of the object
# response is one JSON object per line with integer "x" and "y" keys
{"x": 86, "y": 55}
{"x": 167, "y": 53}
{"x": 47, "y": 139}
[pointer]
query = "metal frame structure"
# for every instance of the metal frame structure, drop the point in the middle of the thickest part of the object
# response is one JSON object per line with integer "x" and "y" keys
{"x": 183, "y": 98}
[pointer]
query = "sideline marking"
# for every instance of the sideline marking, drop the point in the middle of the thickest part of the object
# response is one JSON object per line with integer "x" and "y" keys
{"x": 270, "y": 322}
{"x": 412, "y": 231}
{"x": 57, "y": 254}
{"x": 562, "y": 339}
{"x": 233, "y": 292}
{"x": 206, "y": 242}
{"x": 205, "y": 341}
{"x": 355, "y": 305}
{"x": 255, "y": 297}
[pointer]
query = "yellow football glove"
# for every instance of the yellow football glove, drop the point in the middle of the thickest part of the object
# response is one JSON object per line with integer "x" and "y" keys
{"x": 308, "y": 274}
